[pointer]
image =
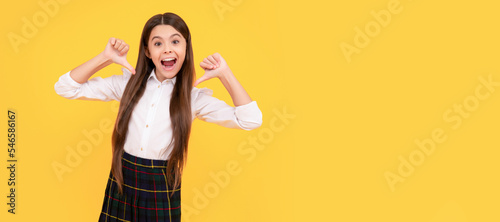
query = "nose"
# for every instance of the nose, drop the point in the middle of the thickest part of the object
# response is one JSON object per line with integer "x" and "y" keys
{"x": 167, "y": 50}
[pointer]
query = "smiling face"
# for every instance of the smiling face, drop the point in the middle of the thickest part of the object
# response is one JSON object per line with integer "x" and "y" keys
{"x": 167, "y": 49}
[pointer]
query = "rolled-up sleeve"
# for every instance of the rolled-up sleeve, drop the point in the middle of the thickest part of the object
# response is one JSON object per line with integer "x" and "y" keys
{"x": 210, "y": 109}
{"x": 97, "y": 88}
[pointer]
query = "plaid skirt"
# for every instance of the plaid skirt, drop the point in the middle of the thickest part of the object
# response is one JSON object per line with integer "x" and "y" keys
{"x": 146, "y": 195}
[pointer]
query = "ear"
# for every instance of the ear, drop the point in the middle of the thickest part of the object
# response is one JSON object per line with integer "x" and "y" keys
{"x": 146, "y": 51}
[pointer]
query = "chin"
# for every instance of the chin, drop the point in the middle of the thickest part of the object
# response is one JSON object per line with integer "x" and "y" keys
{"x": 166, "y": 74}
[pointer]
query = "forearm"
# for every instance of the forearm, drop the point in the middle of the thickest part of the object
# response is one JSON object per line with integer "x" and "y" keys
{"x": 83, "y": 72}
{"x": 235, "y": 89}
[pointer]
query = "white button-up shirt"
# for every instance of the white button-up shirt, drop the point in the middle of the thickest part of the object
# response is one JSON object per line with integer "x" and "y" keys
{"x": 150, "y": 131}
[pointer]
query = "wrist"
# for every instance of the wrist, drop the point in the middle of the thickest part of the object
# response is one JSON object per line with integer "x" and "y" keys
{"x": 103, "y": 59}
{"x": 226, "y": 74}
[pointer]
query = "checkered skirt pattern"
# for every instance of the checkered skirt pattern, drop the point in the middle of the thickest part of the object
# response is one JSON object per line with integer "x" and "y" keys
{"x": 146, "y": 196}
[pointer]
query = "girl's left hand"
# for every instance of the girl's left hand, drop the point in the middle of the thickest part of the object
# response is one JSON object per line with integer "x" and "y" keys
{"x": 214, "y": 66}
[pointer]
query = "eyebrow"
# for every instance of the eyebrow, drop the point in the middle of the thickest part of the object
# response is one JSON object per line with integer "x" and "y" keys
{"x": 177, "y": 34}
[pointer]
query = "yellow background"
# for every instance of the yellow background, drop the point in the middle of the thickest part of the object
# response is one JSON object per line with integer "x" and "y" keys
{"x": 352, "y": 123}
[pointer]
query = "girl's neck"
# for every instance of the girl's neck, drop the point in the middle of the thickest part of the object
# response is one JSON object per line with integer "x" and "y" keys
{"x": 160, "y": 77}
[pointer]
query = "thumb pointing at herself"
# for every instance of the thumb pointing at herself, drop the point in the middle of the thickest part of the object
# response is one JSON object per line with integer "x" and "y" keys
{"x": 116, "y": 50}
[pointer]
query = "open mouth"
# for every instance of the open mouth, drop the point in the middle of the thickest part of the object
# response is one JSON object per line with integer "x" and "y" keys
{"x": 168, "y": 63}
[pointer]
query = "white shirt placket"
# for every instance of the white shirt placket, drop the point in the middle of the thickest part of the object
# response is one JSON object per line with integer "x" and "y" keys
{"x": 151, "y": 115}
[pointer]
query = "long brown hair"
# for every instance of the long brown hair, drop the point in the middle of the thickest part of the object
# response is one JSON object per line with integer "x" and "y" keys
{"x": 180, "y": 103}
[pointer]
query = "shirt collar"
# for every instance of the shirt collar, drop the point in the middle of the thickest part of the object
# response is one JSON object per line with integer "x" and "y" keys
{"x": 153, "y": 75}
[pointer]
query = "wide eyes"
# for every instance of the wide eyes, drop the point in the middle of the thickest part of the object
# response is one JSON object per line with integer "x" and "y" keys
{"x": 175, "y": 42}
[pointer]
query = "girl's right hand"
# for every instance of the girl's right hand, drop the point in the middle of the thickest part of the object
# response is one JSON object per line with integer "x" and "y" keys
{"x": 116, "y": 51}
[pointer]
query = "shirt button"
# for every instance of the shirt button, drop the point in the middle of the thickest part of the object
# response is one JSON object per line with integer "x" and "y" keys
{"x": 141, "y": 148}
{"x": 147, "y": 126}
{"x": 158, "y": 86}
{"x": 152, "y": 105}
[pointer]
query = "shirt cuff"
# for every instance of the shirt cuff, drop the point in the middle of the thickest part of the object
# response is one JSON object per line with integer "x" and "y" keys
{"x": 66, "y": 78}
{"x": 249, "y": 116}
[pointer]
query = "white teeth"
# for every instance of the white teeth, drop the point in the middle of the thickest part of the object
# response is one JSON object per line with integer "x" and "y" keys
{"x": 168, "y": 59}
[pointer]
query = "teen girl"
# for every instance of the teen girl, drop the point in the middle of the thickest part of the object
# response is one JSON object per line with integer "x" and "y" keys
{"x": 158, "y": 103}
